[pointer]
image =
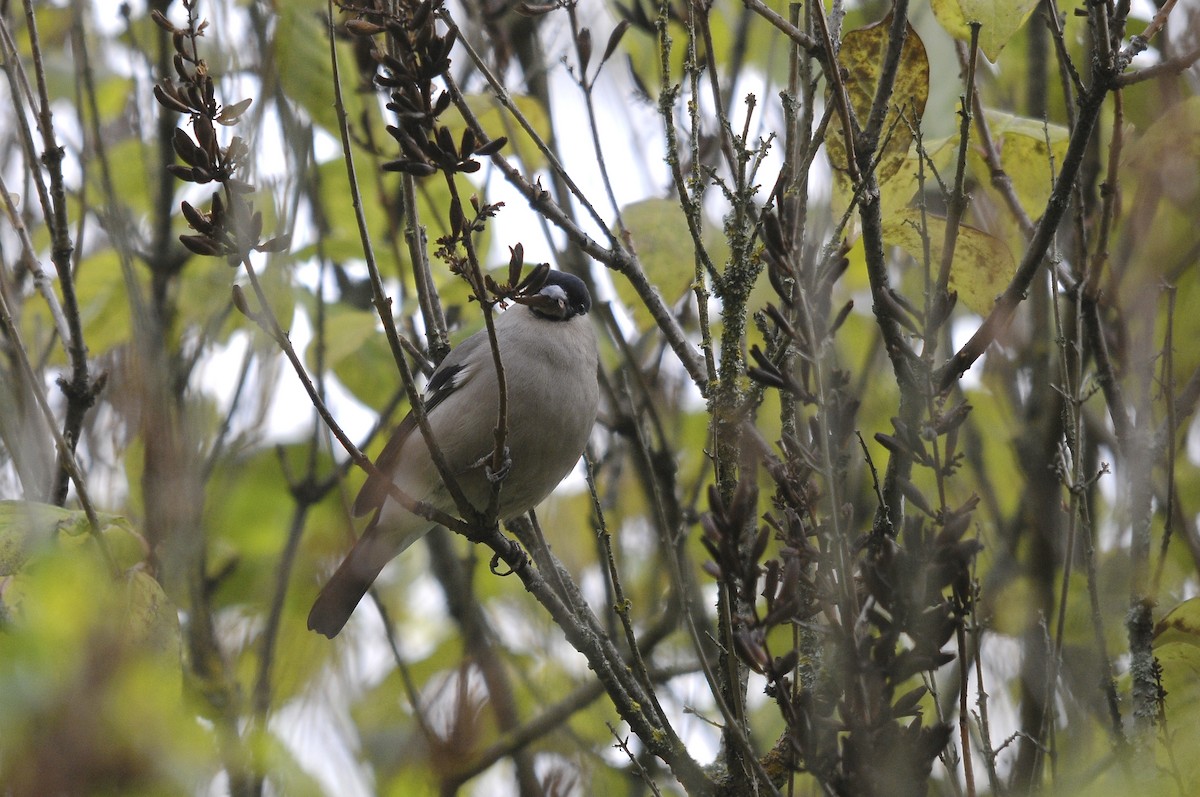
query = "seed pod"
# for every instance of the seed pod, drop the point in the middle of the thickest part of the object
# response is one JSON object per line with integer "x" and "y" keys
{"x": 230, "y": 113}
{"x": 195, "y": 219}
{"x": 362, "y": 27}
{"x": 491, "y": 147}
{"x": 166, "y": 96}
{"x": 614, "y": 39}
{"x": 201, "y": 245}
{"x": 161, "y": 20}
{"x": 583, "y": 46}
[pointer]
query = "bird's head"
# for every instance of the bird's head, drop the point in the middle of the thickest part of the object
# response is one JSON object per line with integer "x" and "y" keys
{"x": 560, "y": 298}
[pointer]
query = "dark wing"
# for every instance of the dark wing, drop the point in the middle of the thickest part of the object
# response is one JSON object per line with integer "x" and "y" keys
{"x": 444, "y": 382}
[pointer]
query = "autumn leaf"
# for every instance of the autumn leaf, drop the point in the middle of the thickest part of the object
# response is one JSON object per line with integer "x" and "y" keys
{"x": 861, "y": 56}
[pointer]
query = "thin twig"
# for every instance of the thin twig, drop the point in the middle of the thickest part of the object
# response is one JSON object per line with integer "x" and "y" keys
{"x": 1167, "y": 386}
{"x": 956, "y": 205}
{"x": 587, "y": 88}
{"x": 261, "y": 696}
{"x": 383, "y": 307}
{"x": 41, "y": 280}
{"x": 505, "y": 99}
{"x": 841, "y": 98}
{"x": 1001, "y": 314}
{"x": 798, "y": 36}
{"x": 616, "y": 258}
{"x": 690, "y": 204}
{"x": 1174, "y": 66}
{"x": 79, "y": 389}
{"x": 66, "y": 455}
{"x": 265, "y": 318}
{"x": 427, "y": 297}
{"x": 474, "y": 278}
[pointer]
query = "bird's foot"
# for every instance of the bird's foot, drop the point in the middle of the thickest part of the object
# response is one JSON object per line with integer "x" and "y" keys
{"x": 513, "y": 555}
{"x": 495, "y": 476}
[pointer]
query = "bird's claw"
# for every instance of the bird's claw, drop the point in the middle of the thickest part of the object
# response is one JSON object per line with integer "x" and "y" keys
{"x": 514, "y": 557}
{"x": 498, "y": 475}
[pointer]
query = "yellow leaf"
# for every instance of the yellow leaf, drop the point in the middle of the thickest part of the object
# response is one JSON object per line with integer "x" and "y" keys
{"x": 1182, "y": 624}
{"x": 1166, "y": 154}
{"x": 983, "y": 264}
{"x": 1031, "y": 153}
{"x": 26, "y": 525}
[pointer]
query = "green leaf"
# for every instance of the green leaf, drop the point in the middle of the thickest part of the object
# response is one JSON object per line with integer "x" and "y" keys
{"x": 357, "y": 352}
{"x": 130, "y": 161}
{"x": 1159, "y": 193}
{"x": 341, "y": 240}
{"x": 1177, "y": 652}
{"x": 1013, "y": 606}
{"x": 152, "y": 619}
{"x": 277, "y": 284}
{"x": 103, "y": 304}
{"x": 664, "y": 245}
{"x": 303, "y": 67}
{"x": 26, "y": 526}
{"x": 1165, "y": 155}
{"x": 248, "y": 518}
{"x": 640, "y": 52}
{"x": 999, "y": 20}
{"x": 898, "y": 191}
{"x": 103, "y": 309}
{"x": 113, "y": 97}
{"x": 207, "y": 283}
{"x": 90, "y": 678}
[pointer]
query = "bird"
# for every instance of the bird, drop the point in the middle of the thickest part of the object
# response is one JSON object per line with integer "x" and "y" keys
{"x": 549, "y": 354}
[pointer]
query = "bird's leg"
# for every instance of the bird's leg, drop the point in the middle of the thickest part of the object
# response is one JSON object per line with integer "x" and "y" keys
{"x": 498, "y": 475}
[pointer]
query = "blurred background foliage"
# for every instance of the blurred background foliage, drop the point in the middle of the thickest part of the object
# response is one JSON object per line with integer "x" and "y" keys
{"x": 153, "y": 604}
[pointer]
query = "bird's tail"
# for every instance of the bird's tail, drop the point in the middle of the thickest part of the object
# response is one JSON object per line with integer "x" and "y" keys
{"x": 378, "y": 545}
{"x": 347, "y": 586}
